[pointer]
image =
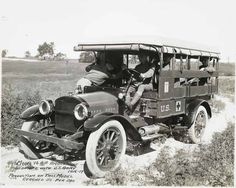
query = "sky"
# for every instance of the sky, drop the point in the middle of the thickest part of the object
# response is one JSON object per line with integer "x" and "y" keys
{"x": 24, "y": 24}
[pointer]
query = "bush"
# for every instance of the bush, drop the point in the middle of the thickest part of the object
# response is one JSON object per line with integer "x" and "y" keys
{"x": 119, "y": 177}
{"x": 170, "y": 170}
{"x": 215, "y": 162}
{"x": 218, "y": 106}
{"x": 208, "y": 165}
{"x": 13, "y": 104}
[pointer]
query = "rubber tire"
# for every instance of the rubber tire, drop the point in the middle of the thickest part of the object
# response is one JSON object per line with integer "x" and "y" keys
{"x": 191, "y": 130}
{"x": 92, "y": 145}
{"x": 87, "y": 171}
{"x": 26, "y": 147}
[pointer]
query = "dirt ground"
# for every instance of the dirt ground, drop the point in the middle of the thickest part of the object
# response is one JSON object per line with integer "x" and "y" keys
{"x": 16, "y": 169}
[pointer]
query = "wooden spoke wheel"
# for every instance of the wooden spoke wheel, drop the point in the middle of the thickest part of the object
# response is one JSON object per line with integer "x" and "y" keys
{"x": 105, "y": 147}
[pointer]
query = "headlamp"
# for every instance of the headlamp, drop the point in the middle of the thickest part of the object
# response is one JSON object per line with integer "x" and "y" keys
{"x": 46, "y": 107}
{"x": 81, "y": 111}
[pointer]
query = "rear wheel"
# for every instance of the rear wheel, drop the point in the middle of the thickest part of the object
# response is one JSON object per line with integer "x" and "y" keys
{"x": 196, "y": 131}
{"x": 33, "y": 148}
{"x": 105, "y": 147}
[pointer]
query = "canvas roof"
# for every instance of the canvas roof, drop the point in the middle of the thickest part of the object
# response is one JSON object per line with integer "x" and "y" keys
{"x": 135, "y": 43}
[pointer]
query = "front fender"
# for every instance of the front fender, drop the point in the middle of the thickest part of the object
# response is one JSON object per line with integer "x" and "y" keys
{"x": 98, "y": 120}
{"x": 31, "y": 113}
{"x": 191, "y": 110}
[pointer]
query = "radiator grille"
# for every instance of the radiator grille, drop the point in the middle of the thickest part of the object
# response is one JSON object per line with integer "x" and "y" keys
{"x": 64, "y": 115}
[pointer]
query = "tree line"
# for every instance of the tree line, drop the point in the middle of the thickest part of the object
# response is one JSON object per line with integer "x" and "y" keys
{"x": 45, "y": 51}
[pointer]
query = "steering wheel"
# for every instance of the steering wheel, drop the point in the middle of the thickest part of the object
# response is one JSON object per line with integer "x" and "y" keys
{"x": 135, "y": 74}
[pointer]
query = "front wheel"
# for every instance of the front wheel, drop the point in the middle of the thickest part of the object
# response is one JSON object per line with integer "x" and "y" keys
{"x": 105, "y": 147}
{"x": 197, "y": 129}
{"x": 33, "y": 148}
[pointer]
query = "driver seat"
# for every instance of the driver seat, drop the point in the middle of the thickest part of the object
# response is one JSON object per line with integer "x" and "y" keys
{"x": 154, "y": 93}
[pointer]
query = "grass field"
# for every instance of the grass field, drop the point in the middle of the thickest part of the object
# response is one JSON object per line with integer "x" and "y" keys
{"x": 54, "y": 79}
{"x": 51, "y": 79}
{"x": 227, "y": 69}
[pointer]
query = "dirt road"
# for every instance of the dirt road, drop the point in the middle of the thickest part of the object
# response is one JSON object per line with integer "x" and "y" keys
{"x": 16, "y": 169}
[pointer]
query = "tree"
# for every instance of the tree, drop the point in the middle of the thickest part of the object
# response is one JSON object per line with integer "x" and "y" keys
{"x": 86, "y": 57}
{"x": 4, "y": 53}
{"x": 27, "y": 54}
{"x": 46, "y": 49}
{"x": 60, "y": 56}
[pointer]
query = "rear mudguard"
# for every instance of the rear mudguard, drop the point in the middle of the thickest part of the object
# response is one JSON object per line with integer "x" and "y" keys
{"x": 191, "y": 110}
{"x": 98, "y": 120}
{"x": 31, "y": 113}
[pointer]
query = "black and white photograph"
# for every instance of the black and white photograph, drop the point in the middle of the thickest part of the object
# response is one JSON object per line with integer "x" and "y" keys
{"x": 117, "y": 93}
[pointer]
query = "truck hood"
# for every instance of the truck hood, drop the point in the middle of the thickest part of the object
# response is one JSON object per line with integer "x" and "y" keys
{"x": 100, "y": 102}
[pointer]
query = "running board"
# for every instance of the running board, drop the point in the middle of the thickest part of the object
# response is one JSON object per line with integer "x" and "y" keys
{"x": 61, "y": 142}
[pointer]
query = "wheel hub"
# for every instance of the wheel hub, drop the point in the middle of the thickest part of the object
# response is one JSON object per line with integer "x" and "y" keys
{"x": 108, "y": 148}
{"x": 200, "y": 124}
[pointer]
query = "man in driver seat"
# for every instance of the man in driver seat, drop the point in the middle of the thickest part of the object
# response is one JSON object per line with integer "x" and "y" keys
{"x": 107, "y": 65}
{"x": 146, "y": 69}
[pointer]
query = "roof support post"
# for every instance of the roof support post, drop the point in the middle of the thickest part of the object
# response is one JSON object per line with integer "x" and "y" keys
{"x": 198, "y": 62}
{"x": 214, "y": 62}
{"x": 217, "y": 78}
{"x": 181, "y": 64}
{"x": 161, "y": 59}
{"x": 173, "y": 60}
{"x": 188, "y": 62}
